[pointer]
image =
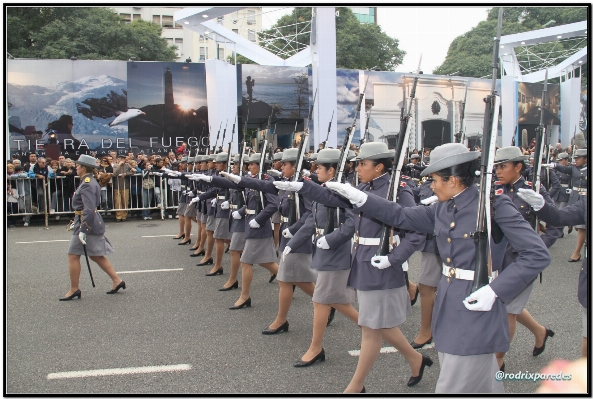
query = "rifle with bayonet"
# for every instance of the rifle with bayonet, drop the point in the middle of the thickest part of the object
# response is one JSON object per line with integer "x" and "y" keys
{"x": 329, "y": 128}
{"x": 540, "y": 139}
{"x": 208, "y": 145}
{"x": 227, "y": 193}
{"x": 294, "y": 133}
{"x": 401, "y": 151}
{"x": 260, "y": 205}
{"x": 462, "y": 117}
{"x": 293, "y": 198}
{"x": 223, "y": 136}
{"x": 217, "y": 137}
{"x": 484, "y": 224}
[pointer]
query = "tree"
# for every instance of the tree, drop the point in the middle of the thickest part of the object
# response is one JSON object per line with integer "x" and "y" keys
{"x": 83, "y": 32}
{"x": 358, "y": 45}
{"x": 471, "y": 53}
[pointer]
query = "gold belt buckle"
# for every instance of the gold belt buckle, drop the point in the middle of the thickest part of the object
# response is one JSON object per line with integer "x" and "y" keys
{"x": 356, "y": 238}
{"x": 452, "y": 272}
{"x": 318, "y": 232}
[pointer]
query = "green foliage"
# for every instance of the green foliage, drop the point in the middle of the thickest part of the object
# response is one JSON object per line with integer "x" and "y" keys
{"x": 240, "y": 60}
{"x": 471, "y": 53}
{"x": 95, "y": 33}
{"x": 358, "y": 46}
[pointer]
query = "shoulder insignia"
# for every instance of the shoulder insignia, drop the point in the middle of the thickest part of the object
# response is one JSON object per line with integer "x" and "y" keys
{"x": 402, "y": 184}
{"x": 498, "y": 192}
{"x": 530, "y": 184}
{"x": 265, "y": 176}
{"x": 308, "y": 178}
{"x": 87, "y": 179}
{"x": 405, "y": 177}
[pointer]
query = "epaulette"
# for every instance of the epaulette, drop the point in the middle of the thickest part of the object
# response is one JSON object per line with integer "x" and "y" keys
{"x": 405, "y": 177}
{"x": 498, "y": 192}
{"x": 402, "y": 184}
{"x": 87, "y": 179}
{"x": 266, "y": 177}
{"x": 530, "y": 184}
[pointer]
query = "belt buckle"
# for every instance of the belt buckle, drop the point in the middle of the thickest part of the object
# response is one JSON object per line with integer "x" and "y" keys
{"x": 356, "y": 238}
{"x": 318, "y": 232}
{"x": 452, "y": 272}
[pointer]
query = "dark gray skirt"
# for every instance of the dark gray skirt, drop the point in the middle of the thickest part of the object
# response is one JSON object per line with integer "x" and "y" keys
{"x": 210, "y": 223}
{"x": 259, "y": 250}
{"x": 584, "y": 311}
{"x": 331, "y": 287}
{"x": 296, "y": 268}
{"x": 96, "y": 245}
{"x": 517, "y": 304}
{"x": 432, "y": 269}
{"x": 383, "y": 308}
{"x": 203, "y": 217}
{"x": 276, "y": 217}
{"x": 238, "y": 241}
{"x": 191, "y": 211}
{"x": 221, "y": 229}
{"x": 468, "y": 374}
{"x": 181, "y": 208}
{"x": 198, "y": 215}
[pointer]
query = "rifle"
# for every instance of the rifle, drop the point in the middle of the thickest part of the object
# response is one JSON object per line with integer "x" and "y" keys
{"x": 240, "y": 197}
{"x": 200, "y": 142}
{"x": 293, "y": 133}
{"x": 329, "y": 128}
{"x": 293, "y": 199}
{"x": 365, "y": 138}
{"x": 208, "y": 146}
{"x": 483, "y": 223}
{"x": 462, "y": 117}
{"x": 217, "y": 137}
{"x": 423, "y": 147}
{"x": 537, "y": 155}
{"x": 401, "y": 150}
{"x": 227, "y": 193}
{"x": 223, "y": 134}
{"x": 259, "y": 206}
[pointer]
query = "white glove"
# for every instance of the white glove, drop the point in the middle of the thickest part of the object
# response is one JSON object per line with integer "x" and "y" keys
{"x": 286, "y": 251}
{"x": 409, "y": 165}
{"x": 532, "y": 198}
{"x": 191, "y": 194}
{"x": 322, "y": 243}
{"x": 234, "y": 178}
{"x": 274, "y": 172}
{"x": 429, "y": 200}
{"x": 551, "y": 165}
{"x": 288, "y": 185}
{"x": 253, "y": 224}
{"x": 173, "y": 173}
{"x": 355, "y": 196}
{"x": 194, "y": 200}
{"x": 286, "y": 233}
{"x": 157, "y": 173}
{"x": 82, "y": 237}
{"x": 305, "y": 173}
{"x": 225, "y": 205}
{"x": 184, "y": 192}
{"x": 236, "y": 215}
{"x": 485, "y": 299}
{"x": 213, "y": 202}
{"x": 380, "y": 262}
{"x": 204, "y": 178}
{"x": 405, "y": 266}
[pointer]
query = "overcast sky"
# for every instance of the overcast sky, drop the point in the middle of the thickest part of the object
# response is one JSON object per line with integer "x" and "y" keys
{"x": 426, "y": 30}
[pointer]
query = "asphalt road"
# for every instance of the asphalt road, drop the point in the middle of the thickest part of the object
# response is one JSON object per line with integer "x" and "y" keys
{"x": 168, "y": 318}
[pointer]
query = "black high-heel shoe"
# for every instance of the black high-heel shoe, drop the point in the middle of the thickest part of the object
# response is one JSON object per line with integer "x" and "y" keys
{"x": 272, "y": 278}
{"x": 420, "y": 346}
{"x": 247, "y": 303}
{"x": 185, "y": 242}
{"x": 330, "y": 318}
{"x": 227, "y": 249}
{"x": 574, "y": 260}
{"x": 235, "y": 285}
{"x": 538, "y": 351}
{"x": 219, "y": 271}
{"x": 208, "y": 262}
{"x": 120, "y": 285}
{"x": 201, "y": 253}
{"x": 283, "y": 327}
{"x": 320, "y": 356}
{"x": 69, "y": 298}
{"x": 426, "y": 361}
{"x": 413, "y": 301}
{"x": 179, "y": 238}
{"x": 363, "y": 390}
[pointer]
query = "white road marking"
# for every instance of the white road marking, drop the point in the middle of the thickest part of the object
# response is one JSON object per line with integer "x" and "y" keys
{"x": 387, "y": 349}
{"x": 164, "y": 235}
{"x": 119, "y": 371}
{"x": 34, "y": 242}
{"x": 150, "y": 271}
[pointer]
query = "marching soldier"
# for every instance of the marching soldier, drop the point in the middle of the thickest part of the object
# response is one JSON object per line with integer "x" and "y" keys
{"x": 276, "y": 173}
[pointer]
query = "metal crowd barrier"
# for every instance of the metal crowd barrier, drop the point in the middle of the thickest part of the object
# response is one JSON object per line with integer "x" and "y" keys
{"x": 53, "y": 196}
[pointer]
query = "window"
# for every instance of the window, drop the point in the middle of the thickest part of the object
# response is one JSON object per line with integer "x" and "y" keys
{"x": 236, "y": 31}
{"x": 201, "y": 39}
{"x": 169, "y": 41}
{"x": 220, "y": 19}
{"x": 250, "y": 17}
{"x": 156, "y": 19}
{"x": 203, "y": 53}
{"x": 251, "y": 35}
{"x": 221, "y": 53}
{"x": 137, "y": 17}
{"x": 179, "y": 44}
{"x": 177, "y": 26}
{"x": 126, "y": 18}
{"x": 167, "y": 21}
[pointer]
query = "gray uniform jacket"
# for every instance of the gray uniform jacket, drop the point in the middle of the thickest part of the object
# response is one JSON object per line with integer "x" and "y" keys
{"x": 235, "y": 225}
{"x": 183, "y": 198}
{"x": 282, "y": 197}
{"x": 363, "y": 275}
{"x": 252, "y": 197}
{"x": 554, "y": 181}
{"x": 87, "y": 198}
{"x": 571, "y": 216}
{"x": 562, "y": 195}
{"x": 422, "y": 192}
{"x": 578, "y": 175}
{"x": 210, "y": 193}
{"x": 338, "y": 256}
{"x": 455, "y": 329}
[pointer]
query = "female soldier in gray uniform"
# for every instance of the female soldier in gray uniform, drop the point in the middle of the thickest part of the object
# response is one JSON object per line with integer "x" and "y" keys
{"x": 331, "y": 258}
{"x": 89, "y": 230}
{"x": 466, "y": 335}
